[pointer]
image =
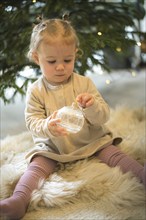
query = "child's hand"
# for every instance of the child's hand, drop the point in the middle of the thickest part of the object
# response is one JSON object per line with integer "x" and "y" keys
{"x": 54, "y": 128}
{"x": 85, "y": 100}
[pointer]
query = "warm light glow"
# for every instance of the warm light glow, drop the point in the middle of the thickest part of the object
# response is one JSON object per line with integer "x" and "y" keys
{"x": 99, "y": 33}
{"x": 107, "y": 81}
{"x": 133, "y": 73}
{"x": 118, "y": 49}
{"x": 139, "y": 44}
{"x": 100, "y": 72}
{"x": 33, "y": 1}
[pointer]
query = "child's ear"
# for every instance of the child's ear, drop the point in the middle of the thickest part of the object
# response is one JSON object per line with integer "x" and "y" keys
{"x": 35, "y": 57}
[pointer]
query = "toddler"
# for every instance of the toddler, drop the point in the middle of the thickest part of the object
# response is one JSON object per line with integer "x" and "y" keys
{"x": 54, "y": 46}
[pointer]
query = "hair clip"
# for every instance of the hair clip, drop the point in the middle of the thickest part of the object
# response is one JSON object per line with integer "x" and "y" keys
{"x": 39, "y": 19}
{"x": 40, "y": 25}
{"x": 65, "y": 16}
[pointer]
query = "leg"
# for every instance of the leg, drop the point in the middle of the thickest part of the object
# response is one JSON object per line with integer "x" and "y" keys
{"x": 15, "y": 207}
{"x": 112, "y": 156}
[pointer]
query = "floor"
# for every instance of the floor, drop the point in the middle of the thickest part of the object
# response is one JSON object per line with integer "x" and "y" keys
{"x": 122, "y": 87}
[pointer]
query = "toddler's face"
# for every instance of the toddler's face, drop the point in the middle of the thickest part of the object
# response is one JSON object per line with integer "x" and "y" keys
{"x": 56, "y": 61}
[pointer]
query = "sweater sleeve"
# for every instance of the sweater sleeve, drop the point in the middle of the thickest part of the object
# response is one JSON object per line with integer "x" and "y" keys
{"x": 99, "y": 112}
{"x": 35, "y": 114}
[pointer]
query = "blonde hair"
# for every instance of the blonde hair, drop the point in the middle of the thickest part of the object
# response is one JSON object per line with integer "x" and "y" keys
{"x": 50, "y": 30}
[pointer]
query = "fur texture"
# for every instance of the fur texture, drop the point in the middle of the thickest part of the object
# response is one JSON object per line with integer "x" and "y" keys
{"x": 86, "y": 180}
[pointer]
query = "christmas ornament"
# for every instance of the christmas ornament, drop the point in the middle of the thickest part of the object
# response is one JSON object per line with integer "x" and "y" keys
{"x": 72, "y": 118}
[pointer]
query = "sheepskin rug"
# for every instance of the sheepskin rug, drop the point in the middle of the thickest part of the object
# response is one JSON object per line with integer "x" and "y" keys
{"x": 86, "y": 189}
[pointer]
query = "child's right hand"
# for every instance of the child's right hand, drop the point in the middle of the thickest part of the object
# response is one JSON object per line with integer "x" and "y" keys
{"x": 54, "y": 127}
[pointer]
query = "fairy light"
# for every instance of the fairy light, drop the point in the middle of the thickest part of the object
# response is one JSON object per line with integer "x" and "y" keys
{"x": 99, "y": 33}
{"x": 34, "y": 1}
{"x": 107, "y": 81}
{"x": 133, "y": 73}
{"x": 100, "y": 72}
{"x": 138, "y": 44}
{"x": 118, "y": 49}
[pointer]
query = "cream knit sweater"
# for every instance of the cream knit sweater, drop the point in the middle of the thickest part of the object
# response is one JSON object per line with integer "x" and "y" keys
{"x": 43, "y": 99}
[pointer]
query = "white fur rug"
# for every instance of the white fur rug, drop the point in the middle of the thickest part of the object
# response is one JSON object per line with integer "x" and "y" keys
{"x": 86, "y": 189}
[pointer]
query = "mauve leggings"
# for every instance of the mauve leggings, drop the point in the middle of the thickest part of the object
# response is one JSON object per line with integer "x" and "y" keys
{"x": 113, "y": 157}
{"x": 15, "y": 207}
{"x": 41, "y": 167}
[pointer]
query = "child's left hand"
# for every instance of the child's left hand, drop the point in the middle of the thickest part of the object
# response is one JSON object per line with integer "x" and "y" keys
{"x": 85, "y": 100}
{"x": 54, "y": 128}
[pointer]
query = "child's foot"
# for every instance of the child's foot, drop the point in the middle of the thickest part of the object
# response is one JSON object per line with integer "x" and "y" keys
{"x": 12, "y": 208}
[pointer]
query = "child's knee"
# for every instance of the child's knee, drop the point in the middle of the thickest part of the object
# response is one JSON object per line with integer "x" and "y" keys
{"x": 44, "y": 164}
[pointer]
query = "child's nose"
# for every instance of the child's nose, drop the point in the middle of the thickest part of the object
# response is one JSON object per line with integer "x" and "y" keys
{"x": 60, "y": 67}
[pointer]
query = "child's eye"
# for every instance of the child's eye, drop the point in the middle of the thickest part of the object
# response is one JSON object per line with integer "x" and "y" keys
{"x": 52, "y": 61}
{"x": 67, "y": 61}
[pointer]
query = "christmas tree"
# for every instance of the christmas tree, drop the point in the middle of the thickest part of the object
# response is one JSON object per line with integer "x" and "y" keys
{"x": 102, "y": 27}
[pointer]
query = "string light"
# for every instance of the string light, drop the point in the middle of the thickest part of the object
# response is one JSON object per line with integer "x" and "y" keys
{"x": 139, "y": 44}
{"x": 100, "y": 72}
{"x": 33, "y": 1}
{"x": 108, "y": 81}
{"x": 99, "y": 33}
{"x": 118, "y": 49}
{"x": 133, "y": 73}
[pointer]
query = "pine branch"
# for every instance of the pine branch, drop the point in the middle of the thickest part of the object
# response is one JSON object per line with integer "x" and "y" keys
{"x": 88, "y": 17}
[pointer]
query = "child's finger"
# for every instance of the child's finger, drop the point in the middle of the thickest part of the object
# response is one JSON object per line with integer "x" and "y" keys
{"x": 54, "y": 122}
{"x": 54, "y": 115}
